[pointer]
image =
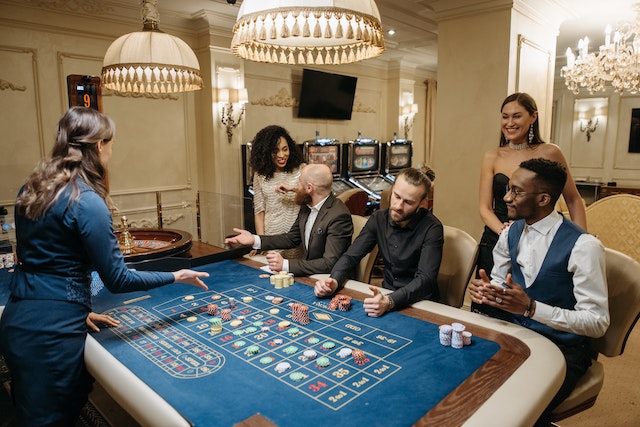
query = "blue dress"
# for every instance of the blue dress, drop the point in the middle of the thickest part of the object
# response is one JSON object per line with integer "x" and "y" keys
{"x": 42, "y": 329}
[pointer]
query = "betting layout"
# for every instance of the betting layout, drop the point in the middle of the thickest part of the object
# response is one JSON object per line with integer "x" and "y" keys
{"x": 332, "y": 359}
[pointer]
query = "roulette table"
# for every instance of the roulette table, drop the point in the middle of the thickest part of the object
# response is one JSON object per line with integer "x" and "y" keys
{"x": 165, "y": 366}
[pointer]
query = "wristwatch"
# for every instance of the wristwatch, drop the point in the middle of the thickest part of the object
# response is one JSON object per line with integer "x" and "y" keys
{"x": 527, "y": 312}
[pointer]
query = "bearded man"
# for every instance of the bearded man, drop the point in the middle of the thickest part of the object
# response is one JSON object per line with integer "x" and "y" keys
{"x": 323, "y": 227}
{"x": 410, "y": 240}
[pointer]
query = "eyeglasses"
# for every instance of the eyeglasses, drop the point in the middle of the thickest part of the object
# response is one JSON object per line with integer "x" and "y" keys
{"x": 517, "y": 193}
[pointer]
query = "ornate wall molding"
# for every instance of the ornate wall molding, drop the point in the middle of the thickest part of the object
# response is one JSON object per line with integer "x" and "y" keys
{"x": 361, "y": 107}
{"x": 4, "y": 84}
{"x": 280, "y": 99}
{"x": 84, "y": 6}
{"x": 170, "y": 96}
{"x": 284, "y": 99}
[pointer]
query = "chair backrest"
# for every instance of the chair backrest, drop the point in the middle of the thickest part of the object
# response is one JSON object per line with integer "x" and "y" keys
{"x": 459, "y": 255}
{"x": 623, "y": 281}
{"x": 385, "y": 197}
{"x": 366, "y": 264}
{"x": 355, "y": 199}
{"x": 614, "y": 219}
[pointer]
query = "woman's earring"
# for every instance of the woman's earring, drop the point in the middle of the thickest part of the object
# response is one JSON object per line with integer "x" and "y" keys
{"x": 530, "y": 134}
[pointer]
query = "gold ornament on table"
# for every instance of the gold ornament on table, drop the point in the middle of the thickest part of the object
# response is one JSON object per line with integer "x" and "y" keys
{"x": 126, "y": 240}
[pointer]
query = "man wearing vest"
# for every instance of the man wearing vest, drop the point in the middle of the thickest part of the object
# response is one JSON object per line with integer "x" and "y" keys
{"x": 548, "y": 272}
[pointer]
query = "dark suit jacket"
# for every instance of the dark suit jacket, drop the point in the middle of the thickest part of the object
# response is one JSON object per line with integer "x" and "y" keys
{"x": 330, "y": 238}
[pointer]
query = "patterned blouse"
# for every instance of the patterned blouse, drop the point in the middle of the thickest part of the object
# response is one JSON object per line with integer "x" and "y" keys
{"x": 280, "y": 210}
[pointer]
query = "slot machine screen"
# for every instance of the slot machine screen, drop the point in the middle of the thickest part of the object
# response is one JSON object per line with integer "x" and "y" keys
{"x": 399, "y": 156}
{"x": 364, "y": 158}
{"x": 325, "y": 154}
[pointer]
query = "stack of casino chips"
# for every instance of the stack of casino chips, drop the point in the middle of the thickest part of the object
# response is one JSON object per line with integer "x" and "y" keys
{"x": 226, "y": 314}
{"x": 216, "y": 325}
{"x": 340, "y": 302}
{"x": 359, "y": 357}
{"x": 212, "y": 309}
{"x": 282, "y": 279}
{"x": 300, "y": 313}
{"x": 454, "y": 335}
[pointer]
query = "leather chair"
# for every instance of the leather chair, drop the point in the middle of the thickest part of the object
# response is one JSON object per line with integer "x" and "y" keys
{"x": 459, "y": 255}
{"x": 366, "y": 264}
{"x": 614, "y": 219}
{"x": 623, "y": 280}
{"x": 355, "y": 199}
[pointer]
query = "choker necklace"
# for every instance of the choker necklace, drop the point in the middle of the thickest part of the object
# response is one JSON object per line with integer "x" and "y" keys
{"x": 516, "y": 147}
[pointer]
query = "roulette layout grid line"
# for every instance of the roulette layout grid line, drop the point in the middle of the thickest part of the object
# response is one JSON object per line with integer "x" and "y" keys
{"x": 183, "y": 357}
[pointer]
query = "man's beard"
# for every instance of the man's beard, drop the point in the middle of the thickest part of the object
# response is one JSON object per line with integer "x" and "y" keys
{"x": 301, "y": 198}
{"x": 407, "y": 216}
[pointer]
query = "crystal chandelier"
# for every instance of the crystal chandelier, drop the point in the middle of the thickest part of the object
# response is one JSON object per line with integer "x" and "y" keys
{"x": 304, "y": 32}
{"x": 616, "y": 64}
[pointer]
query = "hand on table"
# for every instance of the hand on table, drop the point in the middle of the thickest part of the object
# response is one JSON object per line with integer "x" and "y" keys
{"x": 94, "y": 318}
{"x": 377, "y": 305}
{"x": 325, "y": 287}
{"x": 191, "y": 277}
{"x": 275, "y": 261}
{"x": 511, "y": 297}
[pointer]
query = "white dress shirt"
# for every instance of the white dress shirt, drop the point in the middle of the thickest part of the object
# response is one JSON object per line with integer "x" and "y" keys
{"x": 313, "y": 214}
{"x": 590, "y": 316}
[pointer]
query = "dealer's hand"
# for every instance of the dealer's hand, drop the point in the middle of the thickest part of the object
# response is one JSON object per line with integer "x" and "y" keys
{"x": 191, "y": 277}
{"x": 325, "y": 287}
{"x": 94, "y": 318}
{"x": 377, "y": 305}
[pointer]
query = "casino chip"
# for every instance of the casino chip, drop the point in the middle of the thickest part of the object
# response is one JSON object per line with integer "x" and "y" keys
{"x": 323, "y": 362}
{"x": 282, "y": 367}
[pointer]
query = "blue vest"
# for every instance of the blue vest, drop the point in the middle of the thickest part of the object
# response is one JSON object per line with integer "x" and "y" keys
{"x": 554, "y": 284}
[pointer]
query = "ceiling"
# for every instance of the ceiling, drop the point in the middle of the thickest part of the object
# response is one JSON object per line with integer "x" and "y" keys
{"x": 416, "y": 38}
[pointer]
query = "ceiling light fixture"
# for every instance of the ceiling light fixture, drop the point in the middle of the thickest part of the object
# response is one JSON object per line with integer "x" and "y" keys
{"x": 150, "y": 61}
{"x": 616, "y": 64}
{"x": 296, "y": 32}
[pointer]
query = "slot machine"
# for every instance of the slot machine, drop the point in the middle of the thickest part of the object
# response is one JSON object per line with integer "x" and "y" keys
{"x": 364, "y": 166}
{"x": 328, "y": 151}
{"x": 396, "y": 156}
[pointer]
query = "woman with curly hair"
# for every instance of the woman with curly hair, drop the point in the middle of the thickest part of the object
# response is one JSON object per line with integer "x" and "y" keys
{"x": 64, "y": 231}
{"x": 276, "y": 162}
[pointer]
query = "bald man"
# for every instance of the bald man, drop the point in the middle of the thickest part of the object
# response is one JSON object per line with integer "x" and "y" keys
{"x": 323, "y": 227}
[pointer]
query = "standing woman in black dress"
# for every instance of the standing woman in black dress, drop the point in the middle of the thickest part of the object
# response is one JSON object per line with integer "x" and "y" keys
{"x": 519, "y": 141}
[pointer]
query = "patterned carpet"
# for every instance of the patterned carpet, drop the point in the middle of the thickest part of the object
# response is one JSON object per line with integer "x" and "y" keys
{"x": 90, "y": 417}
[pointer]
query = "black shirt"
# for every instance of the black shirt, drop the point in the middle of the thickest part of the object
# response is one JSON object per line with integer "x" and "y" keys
{"x": 411, "y": 255}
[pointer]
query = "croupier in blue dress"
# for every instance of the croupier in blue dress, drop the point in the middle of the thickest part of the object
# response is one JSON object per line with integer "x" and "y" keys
{"x": 64, "y": 231}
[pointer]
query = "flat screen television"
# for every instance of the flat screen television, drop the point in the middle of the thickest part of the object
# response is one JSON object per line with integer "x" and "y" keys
{"x": 326, "y": 96}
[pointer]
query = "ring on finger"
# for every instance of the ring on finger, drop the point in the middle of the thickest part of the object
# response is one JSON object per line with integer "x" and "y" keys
{"x": 499, "y": 300}
{"x": 504, "y": 291}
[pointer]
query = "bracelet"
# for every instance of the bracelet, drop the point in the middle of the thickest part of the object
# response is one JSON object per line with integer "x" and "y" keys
{"x": 390, "y": 304}
{"x": 527, "y": 312}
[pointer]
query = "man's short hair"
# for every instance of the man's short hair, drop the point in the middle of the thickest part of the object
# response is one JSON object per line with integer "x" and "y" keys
{"x": 551, "y": 176}
{"x": 416, "y": 177}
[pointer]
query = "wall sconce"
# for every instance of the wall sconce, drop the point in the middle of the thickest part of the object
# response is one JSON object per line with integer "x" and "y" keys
{"x": 588, "y": 126}
{"x": 408, "y": 113}
{"x": 232, "y": 104}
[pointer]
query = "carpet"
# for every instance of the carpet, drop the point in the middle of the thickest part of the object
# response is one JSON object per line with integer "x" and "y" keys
{"x": 89, "y": 417}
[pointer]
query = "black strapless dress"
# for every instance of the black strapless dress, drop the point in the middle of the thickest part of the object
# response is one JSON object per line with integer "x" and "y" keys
{"x": 488, "y": 242}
